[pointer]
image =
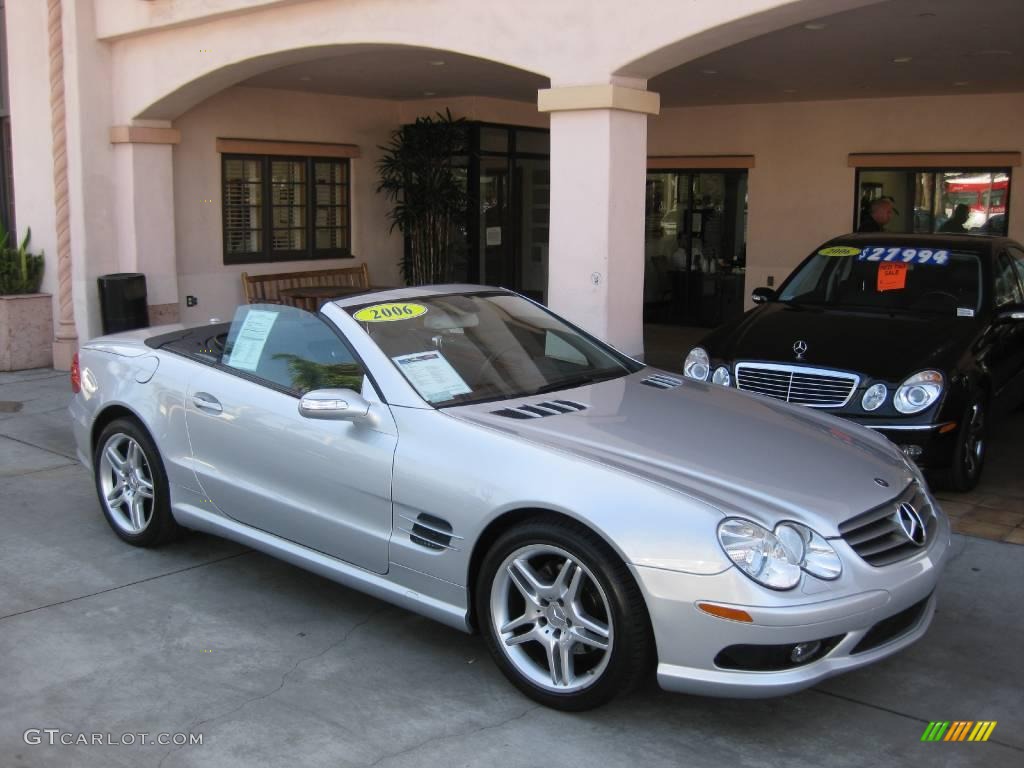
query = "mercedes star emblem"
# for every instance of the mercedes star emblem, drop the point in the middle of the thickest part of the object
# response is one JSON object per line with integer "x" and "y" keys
{"x": 909, "y": 519}
{"x": 800, "y": 348}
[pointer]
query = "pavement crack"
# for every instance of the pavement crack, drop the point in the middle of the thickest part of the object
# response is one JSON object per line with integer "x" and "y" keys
{"x": 125, "y": 586}
{"x": 481, "y": 729}
{"x": 284, "y": 678}
{"x": 72, "y": 459}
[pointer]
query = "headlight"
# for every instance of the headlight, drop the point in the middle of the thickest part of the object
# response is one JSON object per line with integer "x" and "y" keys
{"x": 721, "y": 376}
{"x": 918, "y": 392}
{"x": 758, "y": 553}
{"x": 811, "y": 550}
{"x": 776, "y": 558}
{"x": 697, "y": 366}
{"x": 874, "y": 397}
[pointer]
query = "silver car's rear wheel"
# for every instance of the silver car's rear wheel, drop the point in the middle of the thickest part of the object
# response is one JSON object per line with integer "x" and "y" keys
{"x": 561, "y": 614}
{"x": 126, "y": 484}
{"x": 131, "y": 484}
{"x": 552, "y": 617}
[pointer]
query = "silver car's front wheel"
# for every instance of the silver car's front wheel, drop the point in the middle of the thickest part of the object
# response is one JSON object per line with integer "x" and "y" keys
{"x": 132, "y": 485}
{"x": 561, "y": 614}
{"x": 553, "y": 618}
{"x": 126, "y": 484}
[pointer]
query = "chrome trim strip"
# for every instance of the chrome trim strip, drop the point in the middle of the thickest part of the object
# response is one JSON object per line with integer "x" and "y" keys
{"x": 905, "y": 427}
{"x": 429, "y": 527}
{"x": 795, "y": 370}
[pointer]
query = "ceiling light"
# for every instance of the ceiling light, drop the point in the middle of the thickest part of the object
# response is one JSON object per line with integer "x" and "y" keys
{"x": 902, "y": 59}
{"x": 305, "y": 78}
{"x": 789, "y": 90}
{"x": 992, "y": 52}
{"x": 927, "y": 15}
{"x": 815, "y": 26}
{"x": 710, "y": 71}
{"x": 430, "y": 93}
{"x": 436, "y": 63}
{"x": 962, "y": 83}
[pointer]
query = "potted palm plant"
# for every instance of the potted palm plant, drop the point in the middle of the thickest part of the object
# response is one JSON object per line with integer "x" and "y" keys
{"x": 26, "y": 316}
{"x": 421, "y": 175}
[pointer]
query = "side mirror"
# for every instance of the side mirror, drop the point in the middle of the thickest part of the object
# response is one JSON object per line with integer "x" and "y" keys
{"x": 336, "y": 405}
{"x": 762, "y": 295}
{"x": 1011, "y": 313}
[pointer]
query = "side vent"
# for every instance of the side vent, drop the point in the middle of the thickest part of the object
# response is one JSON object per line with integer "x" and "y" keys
{"x": 661, "y": 381}
{"x": 429, "y": 532}
{"x": 540, "y": 410}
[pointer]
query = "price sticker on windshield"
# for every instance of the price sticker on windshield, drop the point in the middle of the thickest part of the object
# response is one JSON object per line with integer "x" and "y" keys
{"x": 892, "y": 277}
{"x": 902, "y": 255}
{"x": 388, "y": 313}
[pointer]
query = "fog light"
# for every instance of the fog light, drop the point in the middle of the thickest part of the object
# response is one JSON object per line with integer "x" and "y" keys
{"x": 804, "y": 652}
{"x": 912, "y": 451}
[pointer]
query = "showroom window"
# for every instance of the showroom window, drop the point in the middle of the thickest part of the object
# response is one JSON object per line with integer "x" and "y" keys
{"x": 284, "y": 208}
{"x": 953, "y": 200}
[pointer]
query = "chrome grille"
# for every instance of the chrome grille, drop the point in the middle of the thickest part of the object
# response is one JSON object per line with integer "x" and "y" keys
{"x": 797, "y": 384}
{"x": 876, "y": 535}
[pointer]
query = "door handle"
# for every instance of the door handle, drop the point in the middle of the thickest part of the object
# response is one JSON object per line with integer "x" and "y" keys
{"x": 207, "y": 402}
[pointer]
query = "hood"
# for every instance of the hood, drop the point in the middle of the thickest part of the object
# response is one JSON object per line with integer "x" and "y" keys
{"x": 742, "y": 453}
{"x": 881, "y": 345}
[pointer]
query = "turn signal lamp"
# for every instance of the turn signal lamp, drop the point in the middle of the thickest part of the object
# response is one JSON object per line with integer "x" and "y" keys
{"x": 723, "y": 612}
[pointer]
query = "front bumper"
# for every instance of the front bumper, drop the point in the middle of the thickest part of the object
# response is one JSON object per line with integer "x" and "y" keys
{"x": 690, "y": 641}
{"x": 928, "y": 445}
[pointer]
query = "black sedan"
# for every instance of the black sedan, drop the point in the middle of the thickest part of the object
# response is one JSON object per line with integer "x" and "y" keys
{"x": 920, "y": 337}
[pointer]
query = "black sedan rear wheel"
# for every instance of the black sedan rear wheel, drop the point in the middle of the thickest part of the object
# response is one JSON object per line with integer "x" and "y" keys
{"x": 562, "y": 616}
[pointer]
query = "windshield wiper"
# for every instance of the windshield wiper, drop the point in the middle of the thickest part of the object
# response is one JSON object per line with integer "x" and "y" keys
{"x": 579, "y": 381}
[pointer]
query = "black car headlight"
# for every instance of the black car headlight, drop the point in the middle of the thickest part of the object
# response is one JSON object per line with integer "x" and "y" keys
{"x": 918, "y": 392}
{"x": 697, "y": 365}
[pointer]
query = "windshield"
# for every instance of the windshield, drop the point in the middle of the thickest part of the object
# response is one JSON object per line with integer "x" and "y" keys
{"x": 467, "y": 348}
{"x": 888, "y": 279}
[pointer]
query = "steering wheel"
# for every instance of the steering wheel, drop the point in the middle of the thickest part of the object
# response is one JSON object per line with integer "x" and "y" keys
{"x": 945, "y": 294}
{"x": 491, "y": 360}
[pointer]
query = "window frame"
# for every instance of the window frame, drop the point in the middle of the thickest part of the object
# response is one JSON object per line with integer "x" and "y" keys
{"x": 267, "y": 254}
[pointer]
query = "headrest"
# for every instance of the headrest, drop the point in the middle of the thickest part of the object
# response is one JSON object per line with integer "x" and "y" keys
{"x": 439, "y": 320}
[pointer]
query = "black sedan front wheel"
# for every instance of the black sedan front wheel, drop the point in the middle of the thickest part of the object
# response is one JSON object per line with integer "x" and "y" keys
{"x": 971, "y": 444}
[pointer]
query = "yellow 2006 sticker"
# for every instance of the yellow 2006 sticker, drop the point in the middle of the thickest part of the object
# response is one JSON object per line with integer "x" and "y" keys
{"x": 839, "y": 250}
{"x": 387, "y": 313}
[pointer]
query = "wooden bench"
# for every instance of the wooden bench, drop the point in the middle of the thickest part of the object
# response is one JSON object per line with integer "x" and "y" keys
{"x": 266, "y": 289}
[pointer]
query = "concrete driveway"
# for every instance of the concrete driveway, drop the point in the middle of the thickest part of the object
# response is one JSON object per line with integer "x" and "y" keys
{"x": 276, "y": 667}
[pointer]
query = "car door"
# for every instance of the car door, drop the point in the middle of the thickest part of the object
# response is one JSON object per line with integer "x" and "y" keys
{"x": 1006, "y": 356}
{"x": 323, "y": 484}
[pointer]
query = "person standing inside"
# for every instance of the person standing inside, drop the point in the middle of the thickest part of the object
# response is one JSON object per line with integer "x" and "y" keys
{"x": 879, "y": 215}
{"x": 957, "y": 223}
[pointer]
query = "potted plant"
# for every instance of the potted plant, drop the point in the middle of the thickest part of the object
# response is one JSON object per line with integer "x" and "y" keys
{"x": 26, "y": 316}
{"x": 421, "y": 176}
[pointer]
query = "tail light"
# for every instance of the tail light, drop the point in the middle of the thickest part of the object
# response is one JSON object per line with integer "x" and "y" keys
{"x": 76, "y": 375}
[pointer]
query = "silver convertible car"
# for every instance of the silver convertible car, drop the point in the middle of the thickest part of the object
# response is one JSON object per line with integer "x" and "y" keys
{"x": 464, "y": 453}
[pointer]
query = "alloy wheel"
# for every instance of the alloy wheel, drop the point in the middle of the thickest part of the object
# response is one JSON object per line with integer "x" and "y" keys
{"x": 126, "y": 484}
{"x": 552, "y": 618}
{"x": 974, "y": 437}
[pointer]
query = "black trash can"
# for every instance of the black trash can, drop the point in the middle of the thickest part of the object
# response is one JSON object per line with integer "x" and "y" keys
{"x": 123, "y": 305}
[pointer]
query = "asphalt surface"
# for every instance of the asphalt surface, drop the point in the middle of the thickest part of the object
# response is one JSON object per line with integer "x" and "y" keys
{"x": 274, "y": 666}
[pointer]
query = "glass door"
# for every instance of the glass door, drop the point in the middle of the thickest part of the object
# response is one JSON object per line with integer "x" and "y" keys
{"x": 694, "y": 246}
{"x": 494, "y": 241}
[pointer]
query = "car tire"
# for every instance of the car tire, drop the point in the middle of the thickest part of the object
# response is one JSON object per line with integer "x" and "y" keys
{"x": 561, "y": 587}
{"x": 971, "y": 446}
{"x": 132, "y": 485}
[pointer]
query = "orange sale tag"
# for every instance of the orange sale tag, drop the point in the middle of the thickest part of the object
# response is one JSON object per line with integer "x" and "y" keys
{"x": 892, "y": 277}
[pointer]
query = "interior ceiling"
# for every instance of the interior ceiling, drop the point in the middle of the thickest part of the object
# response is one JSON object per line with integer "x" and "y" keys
{"x": 954, "y": 46}
{"x": 392, "y": 72}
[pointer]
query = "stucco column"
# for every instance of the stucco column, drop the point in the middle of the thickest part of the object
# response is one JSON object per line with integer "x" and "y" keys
{"x": 144, "y": 188}
{"x": 598, "y": 177}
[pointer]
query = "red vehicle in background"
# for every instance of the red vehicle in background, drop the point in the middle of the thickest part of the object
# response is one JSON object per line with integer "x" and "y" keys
{"x": 986, "y": 196}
